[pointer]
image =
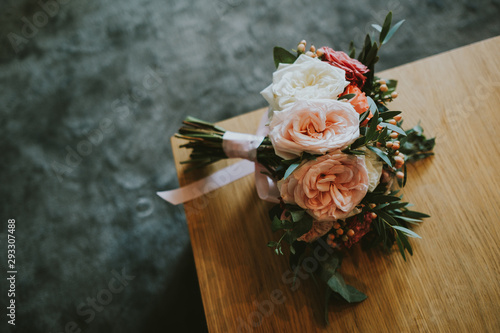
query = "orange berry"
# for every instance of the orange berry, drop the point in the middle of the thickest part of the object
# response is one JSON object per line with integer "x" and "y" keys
{"x": 383, "y": 88}
{"x": 373, "y": 216}
{"x": 312, "y": 49}
{"x": 398, "y": 117}
{"x": 392, "y": 121}
{"x": 336, "y": 225}
{"x": 340, "y": 231}
{"x": 394, "y": 135}
{"x": 394, "y": 94}
{"x": 399, "y": 160}
{"x": 395, "y": 145}
{"x": 382, "y": 81}
{"x": 350, "y": 232}
{"x": 389, "y": 144}
{"x": 400, "y": 175}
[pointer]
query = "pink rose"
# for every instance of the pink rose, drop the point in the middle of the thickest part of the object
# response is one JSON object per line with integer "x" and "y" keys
{"x": 313, "y": 126}
{"x": 329, "y": 187}
{"x": 319, "y": 228}
{"x": 354, "y": 69}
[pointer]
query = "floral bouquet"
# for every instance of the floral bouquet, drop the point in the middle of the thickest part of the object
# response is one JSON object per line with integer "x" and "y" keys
{"x": 334, "y": 152}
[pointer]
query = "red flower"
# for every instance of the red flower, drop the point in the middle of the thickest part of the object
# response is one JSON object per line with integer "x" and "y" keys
{"x": 360, "y": 229}
{"x": 354, "y": 69}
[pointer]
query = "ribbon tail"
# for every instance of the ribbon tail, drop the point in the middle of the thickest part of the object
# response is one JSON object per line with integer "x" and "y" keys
{"x": 214, "y": 181}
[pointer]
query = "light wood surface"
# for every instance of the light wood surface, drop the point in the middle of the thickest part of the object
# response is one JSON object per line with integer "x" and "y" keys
{"x": 450, "y": 284}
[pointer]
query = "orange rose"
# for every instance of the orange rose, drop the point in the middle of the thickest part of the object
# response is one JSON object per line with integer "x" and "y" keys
{"x": 359, "y": 102}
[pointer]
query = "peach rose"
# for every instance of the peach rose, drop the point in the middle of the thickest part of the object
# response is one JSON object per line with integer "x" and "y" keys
{"x": 313, "y": 126}
{"x": 329, "y": 187}
{"x": 319, "y": 228}
{"x": 359, "y": 102}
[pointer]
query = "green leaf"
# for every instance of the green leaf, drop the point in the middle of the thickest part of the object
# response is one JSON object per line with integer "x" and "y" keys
{"x": 394, "y": 128}
{"x": 272, "y": 244}
{"x": 348, "y": 97}
{"x": 358, "y": 143}
{"x": 406, "y": 244}
{"x": 385, "y": 27}
{"x": 401, "y": 247}
{"x": 380, "y": 154}
{"x": 282, "y": 56}
{"x": 389, "y": 114}
{"x": 363, "y": 116}
{"x": 370, "y": 134}
{"x": 416, "y": 215}
{"x": 388, "y": 218}
{"x": 406, "y": 231}
{"x": 278, "y": 224}
{"x": 297, "y": 215}
{"x": 372, "y": 104}
{"x": 291, "y": 169}
{"x": 292, "y": 250}
{"x": 377, "y": 27}
{"x": 383, "y": 199}
{"x": 392, "y": 31}
{"x": 352, "y": 50}
{"x": 407, "y": 219}
{"x": 349, "y": 293}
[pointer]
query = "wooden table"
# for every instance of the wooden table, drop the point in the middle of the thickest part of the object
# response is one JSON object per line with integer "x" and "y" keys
{"x": 451, "y": 284}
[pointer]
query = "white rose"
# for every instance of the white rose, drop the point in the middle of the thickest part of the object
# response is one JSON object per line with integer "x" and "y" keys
{"x": 374, "y": 167}
{"x": 313, "y": 126}
{"x": 306, "y": 78}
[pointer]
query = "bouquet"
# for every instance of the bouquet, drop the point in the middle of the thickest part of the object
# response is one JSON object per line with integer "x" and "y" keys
{"x": 334, "y": 152}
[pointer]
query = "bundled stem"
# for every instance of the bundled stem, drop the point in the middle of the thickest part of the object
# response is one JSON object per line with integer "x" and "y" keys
{"x": 206, "y": 141}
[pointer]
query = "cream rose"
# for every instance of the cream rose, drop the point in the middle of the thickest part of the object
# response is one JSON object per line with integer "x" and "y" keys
{"x": 306, "y": 78}
{"x": 313, "y": 126}
{"x": 329, "y": 187}
{"x": 374, "y": 167}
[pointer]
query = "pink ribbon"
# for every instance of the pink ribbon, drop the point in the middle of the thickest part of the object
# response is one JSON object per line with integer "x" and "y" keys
{"x": 247, "y": 143}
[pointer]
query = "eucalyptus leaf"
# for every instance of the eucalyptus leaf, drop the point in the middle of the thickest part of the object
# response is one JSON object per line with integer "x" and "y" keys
{"x": 291, "y": 169}
{"x": 349, "y": 293}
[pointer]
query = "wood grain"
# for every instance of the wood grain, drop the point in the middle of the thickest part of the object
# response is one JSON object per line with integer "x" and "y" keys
{"x": 451, "y": 284}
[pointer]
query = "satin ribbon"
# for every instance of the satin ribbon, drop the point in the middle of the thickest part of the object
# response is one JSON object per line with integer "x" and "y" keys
{"x": 234, "y": 145}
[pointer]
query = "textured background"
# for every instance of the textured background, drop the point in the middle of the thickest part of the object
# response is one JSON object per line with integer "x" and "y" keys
{"x": 89, "y": 98}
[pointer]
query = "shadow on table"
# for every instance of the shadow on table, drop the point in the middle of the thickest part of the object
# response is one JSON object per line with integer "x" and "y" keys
{"x": 180, "y": 308}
